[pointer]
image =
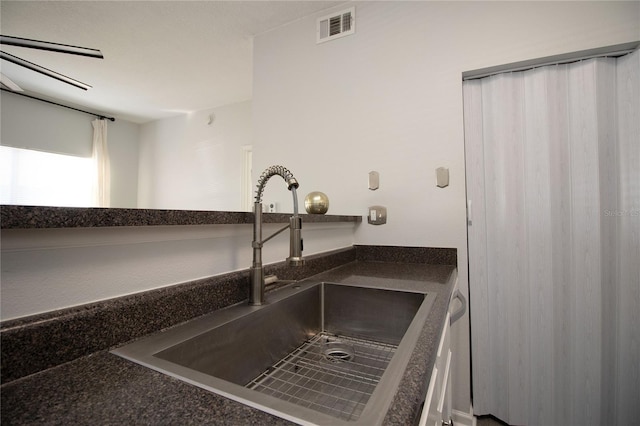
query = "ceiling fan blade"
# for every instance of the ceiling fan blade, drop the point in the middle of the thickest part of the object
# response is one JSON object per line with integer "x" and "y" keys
{"x": 43, "y": 70}
{"x": 9, "y": 84}
{"x": 54, "y": 47}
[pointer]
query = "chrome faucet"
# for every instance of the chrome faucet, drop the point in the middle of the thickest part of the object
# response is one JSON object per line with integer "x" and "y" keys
{"x": 256, "y": 289}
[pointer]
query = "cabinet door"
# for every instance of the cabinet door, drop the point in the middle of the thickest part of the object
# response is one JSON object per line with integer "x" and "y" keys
{"x": 435, "y": 401}
{"x": 430, "y": 409}
{"x": 444, "y": 403}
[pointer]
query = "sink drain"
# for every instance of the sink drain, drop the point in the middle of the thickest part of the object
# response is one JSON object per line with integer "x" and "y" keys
{"x": 338, "y": 351}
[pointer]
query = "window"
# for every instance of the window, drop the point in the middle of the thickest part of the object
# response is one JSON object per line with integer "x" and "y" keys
{"x": 44, "y": 179}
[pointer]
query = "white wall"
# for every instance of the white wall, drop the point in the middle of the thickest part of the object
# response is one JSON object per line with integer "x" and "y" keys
{"x": 389, "y": 98}
{"x": 186, "y": 163}
{"x": 31, "y": 124}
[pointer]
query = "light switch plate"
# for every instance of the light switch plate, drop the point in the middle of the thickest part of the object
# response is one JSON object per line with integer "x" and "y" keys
{"x": 374, "y": 180}
{"x": 442, "y": 177}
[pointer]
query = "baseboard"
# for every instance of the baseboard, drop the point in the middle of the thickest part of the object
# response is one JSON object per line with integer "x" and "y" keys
{"x": 462, "y": 418}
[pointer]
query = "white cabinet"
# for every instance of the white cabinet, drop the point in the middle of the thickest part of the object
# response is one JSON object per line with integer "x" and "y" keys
{"x": 437, "y": 405}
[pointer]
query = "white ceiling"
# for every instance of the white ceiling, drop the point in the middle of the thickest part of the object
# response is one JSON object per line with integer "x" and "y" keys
{"x": 161, "y": 58}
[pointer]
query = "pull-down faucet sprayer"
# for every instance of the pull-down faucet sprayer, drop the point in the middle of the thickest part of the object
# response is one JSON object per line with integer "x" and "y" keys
{"x": 256, "y": 289}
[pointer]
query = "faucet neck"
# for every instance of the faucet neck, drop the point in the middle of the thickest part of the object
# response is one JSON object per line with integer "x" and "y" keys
{"x": 256, "y": 289}
{"x": 283, "y": 172}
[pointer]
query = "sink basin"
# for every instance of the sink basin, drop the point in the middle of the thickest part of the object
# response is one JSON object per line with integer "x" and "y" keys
{"x": 316, "y": 353}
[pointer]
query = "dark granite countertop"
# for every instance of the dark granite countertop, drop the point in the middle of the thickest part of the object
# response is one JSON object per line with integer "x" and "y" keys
{"x": 104, "y": 389}
{"x": 29, "y": 217}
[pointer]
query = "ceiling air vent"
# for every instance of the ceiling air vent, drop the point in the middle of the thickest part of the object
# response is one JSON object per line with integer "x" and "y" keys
{"x": 336, "y": 25}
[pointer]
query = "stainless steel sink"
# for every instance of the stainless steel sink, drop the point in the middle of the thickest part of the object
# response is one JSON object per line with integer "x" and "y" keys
{"x": 316, "y": 353}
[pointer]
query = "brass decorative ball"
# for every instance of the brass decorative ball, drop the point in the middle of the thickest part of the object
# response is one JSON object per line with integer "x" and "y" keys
{"x": 316, "y": 202}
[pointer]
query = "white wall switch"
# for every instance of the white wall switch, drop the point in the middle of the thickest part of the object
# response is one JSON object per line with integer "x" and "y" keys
{"x": 442, "y": 177}
{"x": 374, "y": 180}
{"x": 377, "y": 215}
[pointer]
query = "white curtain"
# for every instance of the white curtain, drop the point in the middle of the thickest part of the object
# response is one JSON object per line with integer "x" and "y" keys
{"x": 102, "y": 190}
{"x": 553, "y": 180}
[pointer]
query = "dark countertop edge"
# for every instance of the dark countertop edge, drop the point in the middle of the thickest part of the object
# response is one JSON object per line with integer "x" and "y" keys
{"x": 32, "y": 217}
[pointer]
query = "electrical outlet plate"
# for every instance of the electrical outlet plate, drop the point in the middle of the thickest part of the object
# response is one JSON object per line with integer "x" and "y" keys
{"x": 269, "y": 207}
{"x": 377, "y": 215}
